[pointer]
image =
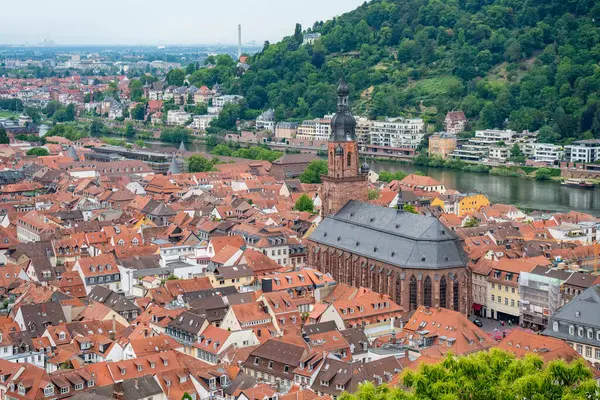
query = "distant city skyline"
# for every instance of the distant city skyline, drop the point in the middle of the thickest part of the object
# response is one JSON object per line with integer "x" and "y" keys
{"x": 122, "y": 22}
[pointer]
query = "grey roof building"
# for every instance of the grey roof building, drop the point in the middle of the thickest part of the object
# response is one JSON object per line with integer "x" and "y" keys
{"x": 392, "y": 236}
{"x": 578, "y": 322}
{"x": 412, "y": 258}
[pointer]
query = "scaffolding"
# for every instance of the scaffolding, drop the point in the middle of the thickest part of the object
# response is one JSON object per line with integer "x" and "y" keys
{"x": 540, "y": 298}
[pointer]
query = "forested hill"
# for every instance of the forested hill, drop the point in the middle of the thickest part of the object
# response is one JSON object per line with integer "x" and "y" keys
{"x": 532, "y": 62}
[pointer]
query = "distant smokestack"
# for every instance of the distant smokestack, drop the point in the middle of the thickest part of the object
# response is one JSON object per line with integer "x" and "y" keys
{"x": 239, "y": 41}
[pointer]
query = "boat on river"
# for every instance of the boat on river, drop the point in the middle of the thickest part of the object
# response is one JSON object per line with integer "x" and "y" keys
{"x": 579, "y": 184}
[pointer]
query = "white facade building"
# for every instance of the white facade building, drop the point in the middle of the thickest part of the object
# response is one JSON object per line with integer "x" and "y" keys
{"x": 397, "y": 132}
{"x": 176, "y": 117}
{"x": 318, "y": 129}
{"x": 587, "y": 151}
{"x": 202, "y": 121}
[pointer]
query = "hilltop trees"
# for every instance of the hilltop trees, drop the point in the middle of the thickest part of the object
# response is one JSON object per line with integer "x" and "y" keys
{"x": 532, "y": 64}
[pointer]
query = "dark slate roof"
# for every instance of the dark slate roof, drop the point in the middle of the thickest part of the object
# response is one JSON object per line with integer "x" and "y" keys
{"x": 242, "y": 381}
{"x": 37, "y": 317}
{"x": 581, "y": 311}
{"x": 356, "y": 337}
{"x": 276, "y": 350}
{"x": 207, "y": 293}
{"x": 319, "y": 328}
{"x": 115, "y": 301}
{"x": 132, "y": 389}
{"x": 391, "y": 236}
{"x": 188, "y": 322}
{"x": 174, "y": 167}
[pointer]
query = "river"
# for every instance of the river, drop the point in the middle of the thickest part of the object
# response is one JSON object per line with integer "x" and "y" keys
{"x": 526, "y": 193}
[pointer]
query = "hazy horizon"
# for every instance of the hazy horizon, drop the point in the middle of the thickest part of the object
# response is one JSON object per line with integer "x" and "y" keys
{"x": 183, "y": 22}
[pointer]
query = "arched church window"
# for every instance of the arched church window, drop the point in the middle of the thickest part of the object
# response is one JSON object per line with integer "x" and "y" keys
{"x": 412, "y": 293}
{"x": 427, "y": 292}
{"x": 443, "y": 289}
{"x": 455, "y": 295}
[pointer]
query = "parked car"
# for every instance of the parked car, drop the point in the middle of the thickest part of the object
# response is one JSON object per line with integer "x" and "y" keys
{"x": 477, "y": 322}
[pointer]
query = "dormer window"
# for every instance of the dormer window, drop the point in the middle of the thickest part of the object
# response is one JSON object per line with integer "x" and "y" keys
{"x": 555, "y": 326}
{"x": 22, "y": 390}
{"x": 165, "y": 362}
{"x": 167, "y": 381}
{"x": 139, "y": 367}
{"x": 62, "y": 336}
{"x": 123, "y": 370}
{"x": 152, "y": 364}
{"x": 270, "y": 365}
{"x": 49, "y": 390}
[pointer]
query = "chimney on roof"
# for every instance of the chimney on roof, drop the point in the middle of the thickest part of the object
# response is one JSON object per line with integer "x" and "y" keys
{"x": 113, "y": 333}
{"x": 135, "y": 382}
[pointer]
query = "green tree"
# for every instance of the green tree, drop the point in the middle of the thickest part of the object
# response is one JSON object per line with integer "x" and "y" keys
{"x": 176, "y": 77}
{"x": 222, "y": 150}
{"x": 186, "y": 396}
{"x": 37, "y": 151}
{"x": 373, "y": 194}
{"x": 130, "y": 130}
{"x": 190, "y": 69}
{"x": 4, "y": 139}
{"x": 410, "y": 208}
{"x": 493, "y": 374}
{"x": 304, "y": 203}
{"x": 385, "y": 176}
{"x": 139, "y": 112}
{"x": 544, "y": 174}
{"x": 136, "y": 89}
{"x": 97, "y": 128}
{"x": 313, "y": 172}
{"x": 175, "y": 135}
{"x": 516, "y": 154}
{"x": 298, "y": 34}
{"x": 197, "y": 163}
{"x": 471, "y": 223}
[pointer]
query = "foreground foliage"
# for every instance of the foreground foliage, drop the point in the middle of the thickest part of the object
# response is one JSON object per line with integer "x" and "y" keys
{"x": 493, "y": 375}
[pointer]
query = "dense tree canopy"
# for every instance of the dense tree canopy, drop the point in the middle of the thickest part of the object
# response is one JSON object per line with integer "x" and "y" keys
{"x": 37, "y": 151}
{"x": 4, "y": 139}
{"x": 312, "y": 173}
{"x": 532, "y": 63}
{"x": 304, "y": 203}
{"x": 197, "y": 163}
{"x": 493, "y": 375}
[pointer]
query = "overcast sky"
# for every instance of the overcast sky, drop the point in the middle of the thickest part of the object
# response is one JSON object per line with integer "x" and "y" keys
{"x": 160, "y": 21}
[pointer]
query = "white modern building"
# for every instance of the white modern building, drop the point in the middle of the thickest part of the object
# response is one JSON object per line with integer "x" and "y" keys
{"x": 544, "y": 152}
{"x": 587, "y": 151}
{"x": 221, "y": 101}
{"x": 176, "y": 117}
{"x": 202, "y": 121}
{"x": 397, "y": 132}
{"x": 317, "y": 129}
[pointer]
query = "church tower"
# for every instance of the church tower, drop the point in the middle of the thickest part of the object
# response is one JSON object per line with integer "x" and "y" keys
{"x": 346, "y": 179}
